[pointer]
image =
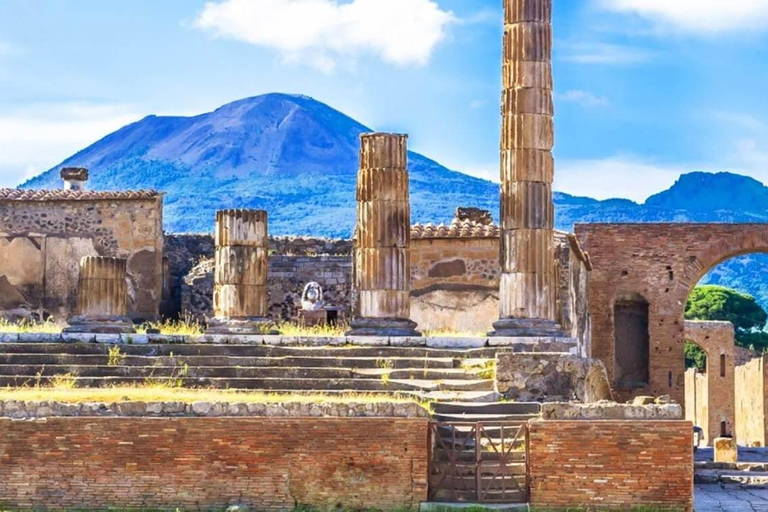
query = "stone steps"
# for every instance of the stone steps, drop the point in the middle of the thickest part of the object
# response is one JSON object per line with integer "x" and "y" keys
{"x": 247, "y": 350}
{"x": 37, "y": 359}
{"x": 296, "y": 372}
{"x": 269, "y": 384}
{"x": 429, "y": 373}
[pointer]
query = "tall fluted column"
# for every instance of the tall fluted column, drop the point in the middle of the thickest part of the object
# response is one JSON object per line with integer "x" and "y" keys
{"x": 528, "y": 289}
{"x": 102, "y": 297}
{"x": 382, "y": 247}
{"x": 240, "y": 295}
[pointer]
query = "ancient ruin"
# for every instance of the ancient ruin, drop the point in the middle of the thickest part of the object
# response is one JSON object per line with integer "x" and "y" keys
{"x": 240, "y": 293}
{"x": 383, "y": 238}
{"x": 528, "y": 284}
{"x": 102, "y": 297}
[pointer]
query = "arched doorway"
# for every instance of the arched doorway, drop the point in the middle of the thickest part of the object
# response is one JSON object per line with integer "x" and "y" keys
{"x": 662, "y": 263}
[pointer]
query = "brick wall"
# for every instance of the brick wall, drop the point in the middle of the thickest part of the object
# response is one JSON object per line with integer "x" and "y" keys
{"x": 207, "y": 463}
{"x": 752, "y": 403}
{"x": 660, "y": 263}
{"x": 611, "y": 464}
{"x": 713, "y": 399}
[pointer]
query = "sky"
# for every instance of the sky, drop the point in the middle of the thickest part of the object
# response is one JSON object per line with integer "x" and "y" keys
{"x": 645, "y": 90}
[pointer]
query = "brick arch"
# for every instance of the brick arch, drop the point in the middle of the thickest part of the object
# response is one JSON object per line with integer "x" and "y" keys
{"x": 661, "y": 262}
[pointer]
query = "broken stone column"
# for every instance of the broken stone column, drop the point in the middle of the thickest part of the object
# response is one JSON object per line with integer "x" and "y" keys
{"x": 240, "y": 295}
{"x": 528, "y": 289}
{"x": 382, "y": 246}
{"x": 102, "y": 297}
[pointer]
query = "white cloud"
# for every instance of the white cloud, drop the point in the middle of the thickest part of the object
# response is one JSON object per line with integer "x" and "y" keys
{"x": 604, "y": 53}
{"x": 320, "y": 33}
{"x": 583, "y": 98}
{"x": 703, "y": 16}
{"x": 43, "y": 135}
{"x": 619, "y": 176}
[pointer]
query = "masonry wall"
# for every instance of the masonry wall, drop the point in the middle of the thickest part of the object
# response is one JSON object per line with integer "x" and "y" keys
{"x": 210, "y": 463}
{"x": 697, "y": 402}
{"x": 752, "y": 403}
{"x": 42, "y": 242}
{"x": 660, "y": 263}
{"x": 611, "y": 464}
{"x": 714, "y": 399}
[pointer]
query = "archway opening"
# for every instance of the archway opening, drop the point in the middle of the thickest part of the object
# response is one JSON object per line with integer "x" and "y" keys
{"x": 725, "y": 330}
{"x": 632, "y": 353}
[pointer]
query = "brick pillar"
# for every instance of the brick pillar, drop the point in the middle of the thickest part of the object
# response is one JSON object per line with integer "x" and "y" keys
{"x": 529, "y": 288}
{"x": 240, "y": 295}
{"x": 102, "y": 297}
{"x": 382, "y": 244}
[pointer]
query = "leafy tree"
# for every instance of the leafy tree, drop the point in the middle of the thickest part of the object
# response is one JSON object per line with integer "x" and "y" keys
{"x": 720, "y": 303}
{"x": 695, "y": 357}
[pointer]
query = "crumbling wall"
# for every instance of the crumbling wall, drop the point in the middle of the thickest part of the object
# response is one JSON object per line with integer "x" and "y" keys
{"x": 551, "y": 377}
{"x": 714, "y": 400}
{"x": 662, "y": 263}
{"x": 42, "y": 241}
{"x": 752, "y": 403}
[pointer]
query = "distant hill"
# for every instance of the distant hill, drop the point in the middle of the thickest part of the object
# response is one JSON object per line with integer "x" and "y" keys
{"x": 297, "y": 158}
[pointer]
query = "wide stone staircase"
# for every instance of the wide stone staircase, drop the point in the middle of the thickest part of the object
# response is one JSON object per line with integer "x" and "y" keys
{"x": 740, "y": 475}
{"x": 445, "y": 374}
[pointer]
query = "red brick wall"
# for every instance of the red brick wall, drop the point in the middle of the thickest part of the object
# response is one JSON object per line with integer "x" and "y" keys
{"x": 206, "y": 463}
{"x": 611, "y": 464}
{"x": 662, "y": 263}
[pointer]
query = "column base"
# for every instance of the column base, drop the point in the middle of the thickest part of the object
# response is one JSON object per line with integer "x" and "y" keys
{"x": 99, "y": 324}
{"x": 251, "y": 325}
{"x": 526, "y": 328}
{"x": 383, "y": 327}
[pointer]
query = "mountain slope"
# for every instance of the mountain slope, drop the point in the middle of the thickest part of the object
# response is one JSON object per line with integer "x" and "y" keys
{"x": 291, "y": 155}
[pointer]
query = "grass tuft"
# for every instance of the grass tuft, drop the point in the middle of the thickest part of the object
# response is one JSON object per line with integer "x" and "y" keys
{"x": 29, "y": 326}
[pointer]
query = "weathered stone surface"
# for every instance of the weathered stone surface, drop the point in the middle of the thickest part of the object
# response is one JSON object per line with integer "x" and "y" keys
{"x": 102, "y": 297}
{"x": 382, "y": 243}
{"x": 726, "y": 450}
{"x": 528, "y": 287}
{"x": 240, "y": 295}
{"x": 550, "y": 377}
{"x": 606, "y": 410}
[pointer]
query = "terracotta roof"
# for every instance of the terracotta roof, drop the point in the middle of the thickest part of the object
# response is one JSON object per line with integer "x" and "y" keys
{"x": 15, "y": 194}
{"x": 457, "y": 229}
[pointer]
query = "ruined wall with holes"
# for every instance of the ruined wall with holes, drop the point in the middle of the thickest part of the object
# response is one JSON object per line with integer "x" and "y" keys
{"x": 611, "y": 465}
{"x": 42, "y": 242}
{"x": 661, "y": 263}
{"x": 713, "y": 400}
{"x": 210, "y": 463}
{"x": 454, "y": 277}
{"x": 752, "y": 402}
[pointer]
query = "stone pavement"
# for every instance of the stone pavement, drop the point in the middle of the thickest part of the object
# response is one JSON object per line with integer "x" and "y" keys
{"x": 714, "y": 498}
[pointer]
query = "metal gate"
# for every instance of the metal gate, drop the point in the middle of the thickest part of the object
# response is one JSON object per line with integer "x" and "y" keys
{"x": 483, "y": 462}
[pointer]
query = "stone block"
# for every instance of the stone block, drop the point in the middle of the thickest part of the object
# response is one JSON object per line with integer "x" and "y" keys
{"x": 367, "y": 341}
{"x": 408, "y": 341}
{"x": 726, "y": 450}
{"x": 449, "y": 342}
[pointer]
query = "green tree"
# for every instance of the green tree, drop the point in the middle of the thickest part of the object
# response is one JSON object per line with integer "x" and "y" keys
{"x": 712, "y": 302}
{"x": 695, "y": 357}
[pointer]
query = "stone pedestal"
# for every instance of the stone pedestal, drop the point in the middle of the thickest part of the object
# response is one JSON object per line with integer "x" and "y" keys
{"x": 382, "y": 246}
{"x": 240, "y": 295}
{"x": 528, "y": 289}
{"x": 726, "y": 450}
{"x": 102, "y": 297}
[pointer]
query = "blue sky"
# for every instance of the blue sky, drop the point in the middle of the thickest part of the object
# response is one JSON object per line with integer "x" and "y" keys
{"x": 645, "y": 89}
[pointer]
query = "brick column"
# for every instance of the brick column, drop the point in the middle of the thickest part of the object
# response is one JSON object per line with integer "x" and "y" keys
{"x": 102, "y": 297}
{"x": 382, "y": 244}
{"x": 528, "y": 290}
{"x": 240, "y": 295}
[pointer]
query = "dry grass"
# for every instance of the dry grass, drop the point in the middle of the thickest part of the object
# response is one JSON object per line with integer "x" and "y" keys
{"x": 161, "y": 393}
{"x": 293, "y": 329}
{"x": 25, "y": 327}
{"x": 186, "y": 327}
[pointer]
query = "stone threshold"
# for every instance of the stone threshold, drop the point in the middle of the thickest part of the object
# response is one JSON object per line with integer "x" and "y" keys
{"x": 41, "y": 409}
{"x": 568, "y": 345}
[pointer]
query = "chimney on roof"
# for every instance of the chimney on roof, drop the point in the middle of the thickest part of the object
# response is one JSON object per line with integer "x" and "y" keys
{"x": 74, "y": 177}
